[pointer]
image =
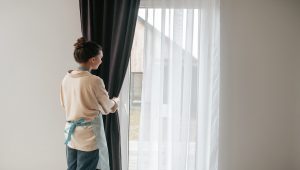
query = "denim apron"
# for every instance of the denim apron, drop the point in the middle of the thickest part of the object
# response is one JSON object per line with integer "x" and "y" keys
{"x": 98, "y": 129}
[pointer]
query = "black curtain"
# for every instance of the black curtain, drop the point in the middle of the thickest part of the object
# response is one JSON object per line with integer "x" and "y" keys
{"x": 111, "y": 23}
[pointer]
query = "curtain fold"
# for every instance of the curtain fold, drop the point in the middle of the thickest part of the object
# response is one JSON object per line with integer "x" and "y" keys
{"x": 180, "y": 94}
{"x": 111, "y": 23}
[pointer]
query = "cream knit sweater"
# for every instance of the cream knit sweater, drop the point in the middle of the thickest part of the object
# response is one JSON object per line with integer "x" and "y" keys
{"x": 83, "y": 95}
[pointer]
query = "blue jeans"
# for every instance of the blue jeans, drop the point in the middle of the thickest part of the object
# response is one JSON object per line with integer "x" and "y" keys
{"x": 81, "y": 160}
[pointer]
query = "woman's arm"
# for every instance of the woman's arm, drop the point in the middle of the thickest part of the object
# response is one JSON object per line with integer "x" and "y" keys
{"x": 108, "y": 105}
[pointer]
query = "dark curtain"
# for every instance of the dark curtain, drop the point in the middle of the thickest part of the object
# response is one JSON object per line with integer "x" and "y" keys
{"x": 111, "y": 23}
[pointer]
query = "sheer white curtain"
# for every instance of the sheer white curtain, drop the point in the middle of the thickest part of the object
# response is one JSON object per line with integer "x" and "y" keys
{"x": 180, "y": 90}
{"x": 124, "y": 110}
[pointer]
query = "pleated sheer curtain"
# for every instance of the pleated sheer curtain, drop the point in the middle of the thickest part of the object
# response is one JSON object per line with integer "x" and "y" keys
{"x": 179, "y": 118}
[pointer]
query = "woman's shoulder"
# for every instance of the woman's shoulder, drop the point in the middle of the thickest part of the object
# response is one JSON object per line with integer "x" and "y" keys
{"x": 98, "y": 81}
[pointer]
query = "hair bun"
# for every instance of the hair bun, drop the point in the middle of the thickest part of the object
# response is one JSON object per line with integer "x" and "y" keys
{"x": 80, "y": 43}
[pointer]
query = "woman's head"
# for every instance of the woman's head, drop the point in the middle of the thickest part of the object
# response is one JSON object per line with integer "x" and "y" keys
{"x": 88, "y": 53}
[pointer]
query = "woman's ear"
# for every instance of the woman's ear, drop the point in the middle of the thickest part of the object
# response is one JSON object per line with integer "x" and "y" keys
{"x": 92, "y": 60}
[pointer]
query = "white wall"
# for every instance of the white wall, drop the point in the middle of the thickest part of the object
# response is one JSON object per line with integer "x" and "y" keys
{"x": 297, "y": 113}
{"x": 258, "y": 87}
{"x": 36, "y": 46}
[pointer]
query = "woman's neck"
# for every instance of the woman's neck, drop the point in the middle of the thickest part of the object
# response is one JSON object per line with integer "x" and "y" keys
{"x": 84, "y": 68}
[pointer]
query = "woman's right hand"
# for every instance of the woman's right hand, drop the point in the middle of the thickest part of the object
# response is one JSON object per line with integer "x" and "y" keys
{"x": 117, "y": 101}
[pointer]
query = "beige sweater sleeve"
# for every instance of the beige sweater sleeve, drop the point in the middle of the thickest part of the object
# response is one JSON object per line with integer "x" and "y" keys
{"x": 108, "y": 105}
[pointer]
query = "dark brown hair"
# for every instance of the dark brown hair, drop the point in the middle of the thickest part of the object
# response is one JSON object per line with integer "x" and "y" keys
{"x": 84, "y": 50}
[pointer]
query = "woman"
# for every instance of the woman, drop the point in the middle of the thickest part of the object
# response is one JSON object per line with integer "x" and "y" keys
{"x": 84, "y": 98}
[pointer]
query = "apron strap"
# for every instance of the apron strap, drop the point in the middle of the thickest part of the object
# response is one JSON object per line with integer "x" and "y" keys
{"x": 80, "y": 122}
